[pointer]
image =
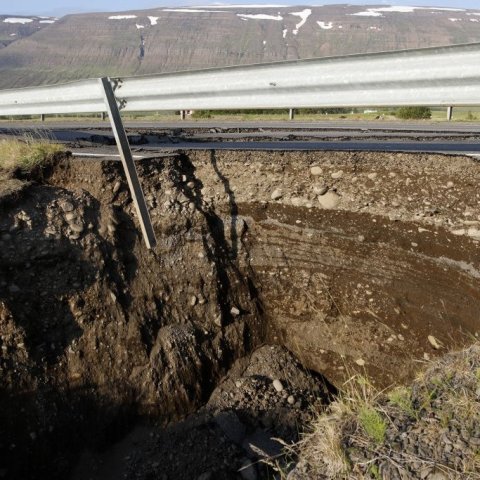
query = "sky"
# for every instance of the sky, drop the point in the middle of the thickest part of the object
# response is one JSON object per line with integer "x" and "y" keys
{"x": 59, "y": 8}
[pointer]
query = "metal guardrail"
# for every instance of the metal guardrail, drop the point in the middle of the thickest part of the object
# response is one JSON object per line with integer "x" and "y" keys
{"x": 440, "y": 76}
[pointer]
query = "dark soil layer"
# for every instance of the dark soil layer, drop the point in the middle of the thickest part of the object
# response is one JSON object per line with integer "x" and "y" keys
{"x": 362, "y": 264}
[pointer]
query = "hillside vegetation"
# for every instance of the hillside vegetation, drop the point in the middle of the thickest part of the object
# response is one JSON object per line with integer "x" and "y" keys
{"x": 166, "y": 40}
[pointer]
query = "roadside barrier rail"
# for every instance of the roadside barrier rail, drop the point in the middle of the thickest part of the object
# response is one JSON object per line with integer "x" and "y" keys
{"x": 440, "y": 76}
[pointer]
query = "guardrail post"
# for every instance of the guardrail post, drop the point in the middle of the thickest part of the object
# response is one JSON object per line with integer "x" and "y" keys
{"x": 128, "y": 163}
{"x": 182, "y": 114}
{"x": 291, "y": 114}
{"x": 42, "y": 117}
{"x": 449, "y": 113}
{"x": 103, "y": 115}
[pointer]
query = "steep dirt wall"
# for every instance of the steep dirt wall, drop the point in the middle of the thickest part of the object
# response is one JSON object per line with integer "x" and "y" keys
{"x": 351, "y": 261}
{"x": 359, "y": 258}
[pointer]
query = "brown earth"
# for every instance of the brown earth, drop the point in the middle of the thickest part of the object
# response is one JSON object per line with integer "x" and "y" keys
{"x": 368, "y": 261}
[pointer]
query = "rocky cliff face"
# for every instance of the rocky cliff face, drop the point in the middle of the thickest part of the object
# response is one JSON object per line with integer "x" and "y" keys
{"x": 166, "y": 40}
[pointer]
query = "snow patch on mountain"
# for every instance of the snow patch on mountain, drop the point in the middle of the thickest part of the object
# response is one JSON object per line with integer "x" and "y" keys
{"x": 325, "y": 25}
{"x": 121, "y": 17}
{"x": 18, "y": 20}
{"x": 260, "y": 16}
{"x": 304, "y": 14}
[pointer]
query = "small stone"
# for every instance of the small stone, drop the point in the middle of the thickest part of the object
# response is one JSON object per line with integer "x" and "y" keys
{"x": 218, "y": 320}
{"x": 69, "y": 216}
{"x": 426, "y": 356}
{"x": 276, "y": 194}
{"x": 450, "y": 184}
{"x": 474, "y": 233}
{"x": 76, "y": 227}
{"x": 291, "y": 399}
{"x": 193, "y": 301}
{"x": 338, "y": 174}
{"x": 321, "y": 190}
{"x": 434, "y": 342}
{"x": 329, "y": 201}
{"x": 238, "y": 384}
{"x": 360, "y": 362}
{"x": 316, "y": 171}
{"x": 235, "y": 311}
{"x": 190, "y": 184}
{"x": 117, "y": 186}
{"x": 372, "y": 176}
{"x": 297, "y": 201}
{"x": 66, "y": 206}
{"x": 277, "y": 385}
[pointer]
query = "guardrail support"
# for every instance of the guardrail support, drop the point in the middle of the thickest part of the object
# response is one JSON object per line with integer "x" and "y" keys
{"x": 42, "y": 117}
{"x": 291, "y": 114}
{"x": 449, "y": 113}
{"x": 182, "y": 114}
{"x": 128, "y": 163}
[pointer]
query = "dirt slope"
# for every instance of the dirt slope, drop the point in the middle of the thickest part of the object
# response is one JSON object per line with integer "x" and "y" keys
{"x": 348, "y": 260}
{"x": 166, "y": 40}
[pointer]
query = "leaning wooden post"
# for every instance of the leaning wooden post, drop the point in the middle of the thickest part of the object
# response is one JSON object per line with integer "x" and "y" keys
{"x": 128, "y": 163}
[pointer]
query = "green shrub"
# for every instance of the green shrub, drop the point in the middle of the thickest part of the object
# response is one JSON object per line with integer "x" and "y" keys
{"x": 416, "y": 113}
{"x": 201, "y": 114}
{"x": 373, "y": 424}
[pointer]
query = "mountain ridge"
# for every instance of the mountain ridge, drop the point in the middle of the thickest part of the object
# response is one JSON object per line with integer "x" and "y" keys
{"x": 172, "y": 39}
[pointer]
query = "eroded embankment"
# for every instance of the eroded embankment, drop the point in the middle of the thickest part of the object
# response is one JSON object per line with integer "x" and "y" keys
{"x": 366, "y": 261}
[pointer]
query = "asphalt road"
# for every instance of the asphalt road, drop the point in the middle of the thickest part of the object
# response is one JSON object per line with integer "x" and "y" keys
{"x": 279, "y": 125}
{"x": 150, "y": 138}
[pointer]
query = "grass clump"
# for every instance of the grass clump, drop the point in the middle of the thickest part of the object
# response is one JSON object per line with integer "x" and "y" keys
{"x": 373, "y": 424}
{"x": 27, "y": 153}
{"x": 430, "y": 427}
{"x": 414, "y": 113}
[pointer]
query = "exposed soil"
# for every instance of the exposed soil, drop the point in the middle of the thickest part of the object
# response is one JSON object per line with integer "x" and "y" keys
{"x": 369, "y": 261}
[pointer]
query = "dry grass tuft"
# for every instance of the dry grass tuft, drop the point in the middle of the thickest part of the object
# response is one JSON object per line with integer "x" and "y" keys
{"x": 428, "y": 430}
{"x": 27, "y": 153}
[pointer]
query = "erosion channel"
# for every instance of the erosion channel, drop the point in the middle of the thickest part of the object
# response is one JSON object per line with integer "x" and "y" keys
{"x": 276, "y": 275}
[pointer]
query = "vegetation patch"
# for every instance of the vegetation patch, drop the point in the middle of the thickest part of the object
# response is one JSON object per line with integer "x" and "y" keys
{"x": 414, "y": 113}
{"x": 27, "y": 153}
{"x": 428, "y": 431}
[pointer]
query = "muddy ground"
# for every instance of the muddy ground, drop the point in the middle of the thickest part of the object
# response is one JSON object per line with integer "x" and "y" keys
{"x": 298, "y": 268}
